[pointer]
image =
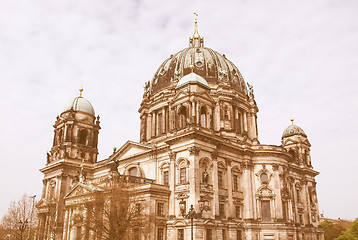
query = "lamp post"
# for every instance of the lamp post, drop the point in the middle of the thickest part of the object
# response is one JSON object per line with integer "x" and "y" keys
{"x": 203, "y": 206}
{"x": 32, "y": 209}
{"x": 191, "y": 214}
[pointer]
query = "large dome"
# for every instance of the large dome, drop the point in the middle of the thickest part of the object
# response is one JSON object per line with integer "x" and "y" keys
{"x": 214, "y": 67}
{"x": 209, "y": 64}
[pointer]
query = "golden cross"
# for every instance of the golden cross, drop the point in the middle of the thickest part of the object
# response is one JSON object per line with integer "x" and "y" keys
{"x": 196, "y": 16}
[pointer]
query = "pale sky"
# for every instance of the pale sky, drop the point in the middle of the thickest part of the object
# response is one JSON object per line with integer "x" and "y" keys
{"x": 301, "y": 56}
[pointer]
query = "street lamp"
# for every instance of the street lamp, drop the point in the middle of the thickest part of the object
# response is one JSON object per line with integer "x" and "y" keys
{"x": 191, "y": 214}
{"x": 22, "y": 227}
{"x": 32, "y": 209}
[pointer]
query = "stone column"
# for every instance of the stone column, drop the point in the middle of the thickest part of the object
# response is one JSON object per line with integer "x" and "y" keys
{"x": 149, "y": 126}
{"x": 170, "y": 118}
{"x": 245, "y": 121}
{"x": 143, "y": 128}
{"x": 154, "y": 118}
{"x": 247, "y": 192}
{"x": 215, "y": 205}
{"x": 229, "y": 189}
{"x": 194, "y": 177}
{"x": 172, "y": 157}
{"x": 198, "y": 114}
{"x": 65, "y": 225}
{"x": 217, "y": 117}
{"x": 163, "y": 121}
{"x": 277, "y": 191}
{"x": 306, "y": 201}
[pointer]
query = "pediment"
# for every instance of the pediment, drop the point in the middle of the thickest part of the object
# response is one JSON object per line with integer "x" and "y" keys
{"x": 290, "y": 141}
{"x": 129, "y": 149}
{"x": 42, "y": 203}
{"x": 179, "y": 95}
{"x": 81, "y": 189}
{"x": 205, "y": 95}
{"x": 200, "y": 94}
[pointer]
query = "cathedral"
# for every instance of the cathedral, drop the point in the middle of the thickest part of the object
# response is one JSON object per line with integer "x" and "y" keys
{"x": 199, "y": 168}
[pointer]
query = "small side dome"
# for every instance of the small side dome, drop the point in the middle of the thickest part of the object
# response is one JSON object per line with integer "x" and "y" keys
{"x": 293, "y": 130}
{"x": 79, "y": 104}
{"x": 192, "y": 78}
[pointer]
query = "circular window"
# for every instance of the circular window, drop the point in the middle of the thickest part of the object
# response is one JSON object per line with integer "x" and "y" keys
{"x": 264, "y": 178}
{"x": 199, "y": 64}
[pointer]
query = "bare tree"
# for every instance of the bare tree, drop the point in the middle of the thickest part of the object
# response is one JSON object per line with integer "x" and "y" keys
{"x": 20, "y": 214}
{"x": 114, "y": 213}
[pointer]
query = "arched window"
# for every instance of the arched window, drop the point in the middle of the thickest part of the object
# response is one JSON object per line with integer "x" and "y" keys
{"x": 83, "y": 136}
{"x": 60, "y": 136}
{"x": 182, "y": 117}
{"x": 293, "y": 154}
{"x": 203, "y": 117}
{"x": 133, "y": 171}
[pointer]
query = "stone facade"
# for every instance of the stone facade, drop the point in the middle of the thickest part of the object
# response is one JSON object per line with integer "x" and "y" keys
{"x": 198, "y": 146}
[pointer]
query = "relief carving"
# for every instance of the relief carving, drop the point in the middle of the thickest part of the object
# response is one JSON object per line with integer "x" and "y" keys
{"x": 194, "y": 150}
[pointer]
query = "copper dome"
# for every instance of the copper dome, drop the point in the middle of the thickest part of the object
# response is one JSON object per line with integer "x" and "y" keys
{"x": 214, "y": 67}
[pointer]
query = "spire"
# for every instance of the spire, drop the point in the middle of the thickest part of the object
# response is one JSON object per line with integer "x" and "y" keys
{"x": 196, "y": 40}
{"x": 81, "y": 90}
{"x": 292, "y": 120}
{"x": 196, "y": 32}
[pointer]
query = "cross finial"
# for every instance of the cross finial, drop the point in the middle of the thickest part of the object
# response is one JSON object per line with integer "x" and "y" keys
{"x": 196, "y": 17}
{"x": 196, "y": 32}
{"x": 81, "y": 90}
{"x": 196, "y": 40}
{"x": 292, "y": 120}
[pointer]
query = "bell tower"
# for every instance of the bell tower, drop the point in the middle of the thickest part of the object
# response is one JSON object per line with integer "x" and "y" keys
{"x": 72, "y": 156}
{"x": 295, "y": 140}
{"x": 76, "y": 132}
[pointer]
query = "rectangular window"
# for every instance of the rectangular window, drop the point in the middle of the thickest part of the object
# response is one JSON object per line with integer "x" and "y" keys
{"x": 298, "y": 195}
{"x": 160, "y": 234}
{"x": 220, "y": 179}
{"x": 209, "y": 234}
{"x": 238, "y": 235}
{"x": 183, "y": 175}
{"x": 284, "y": 210}
{"x": 166, "y": 178}
{"x": 223, "y": 234}
{"x": 180, "y": 234}
{"x": 160, "y": 209}
{"x": 238, "y": 212}
{"x": 235, "y": 178}
{"x": 222, "y": 210}
{"x": 265, "y": 211}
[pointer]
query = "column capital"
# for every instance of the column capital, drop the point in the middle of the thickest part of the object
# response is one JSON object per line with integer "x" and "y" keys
{"x": 248, "y": 165}
{"x": 214, "y": 155}
{"x": 228, "y": 162}
{"x": 172, "y": 155}
{"x": 194, "y": 150}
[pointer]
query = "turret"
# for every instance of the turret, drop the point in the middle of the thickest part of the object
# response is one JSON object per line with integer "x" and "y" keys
{"x": 295, "y": 140}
